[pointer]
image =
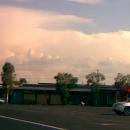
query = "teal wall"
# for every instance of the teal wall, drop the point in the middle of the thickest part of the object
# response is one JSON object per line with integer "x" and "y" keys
{"x": 53, "y": 98}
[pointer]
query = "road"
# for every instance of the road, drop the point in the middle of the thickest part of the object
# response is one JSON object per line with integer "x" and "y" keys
{"x": 28, "y": 117}
{"x": 9, "y": 124}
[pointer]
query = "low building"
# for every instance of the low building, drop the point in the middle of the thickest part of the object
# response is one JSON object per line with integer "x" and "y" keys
{"x": 1, "y": 92}
{"x": 46, "y": 93}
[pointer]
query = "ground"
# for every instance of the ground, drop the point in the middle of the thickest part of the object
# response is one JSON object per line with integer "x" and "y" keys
{"x": 67, "y": 117}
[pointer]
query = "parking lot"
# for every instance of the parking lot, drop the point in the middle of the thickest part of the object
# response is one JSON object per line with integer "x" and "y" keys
{"x": 26, "y": 117}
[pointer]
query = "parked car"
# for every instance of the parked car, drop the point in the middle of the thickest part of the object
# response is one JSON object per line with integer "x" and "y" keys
{"x": 121, "y": 108}
{"x": 2, "y": 101}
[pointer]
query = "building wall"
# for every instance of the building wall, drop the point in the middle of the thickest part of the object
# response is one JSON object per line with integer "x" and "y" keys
{"x": 94, "y": 99}
{"x": 1, "y": 93}
{"x": 106, "y": 98}
{"x": 55, "y": 99}
{"x": 42, "y": 99}
{"x": 35, "y": 97}
{"x": 29, "y": 98}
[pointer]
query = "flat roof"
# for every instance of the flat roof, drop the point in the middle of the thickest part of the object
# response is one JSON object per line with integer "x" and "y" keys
{"x": 35, "y": 88}
{"x": 85, "y": 89}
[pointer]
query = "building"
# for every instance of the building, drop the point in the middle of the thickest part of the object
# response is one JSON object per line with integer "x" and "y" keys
{"x": 1, "y": 92}
{"x": 45, "y": 93}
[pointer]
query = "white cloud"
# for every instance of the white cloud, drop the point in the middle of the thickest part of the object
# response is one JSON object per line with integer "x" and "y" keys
{"x": 87, "y": 1}
{"x": 41, "y": 53}
{"x": 21, "y": 26}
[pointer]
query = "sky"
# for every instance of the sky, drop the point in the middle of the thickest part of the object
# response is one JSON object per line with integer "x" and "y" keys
{"x": 44, "y": 37}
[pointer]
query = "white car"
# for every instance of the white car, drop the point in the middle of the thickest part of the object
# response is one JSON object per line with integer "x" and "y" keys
{"x": 121, "y": 108}
{"x": 2, "y": 101}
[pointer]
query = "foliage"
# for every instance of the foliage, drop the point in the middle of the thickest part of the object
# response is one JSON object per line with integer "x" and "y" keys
{"x": 22, "y": 81}
{"x": 7, "y": 77}
{"x": 65, "y": 82}
{"x": 8, "y": 74}
{"x": 122, "y": 81}
{"x": 95, "y": 78}
{"x": 96, "y": 93}
{"x": 96, "y": 88}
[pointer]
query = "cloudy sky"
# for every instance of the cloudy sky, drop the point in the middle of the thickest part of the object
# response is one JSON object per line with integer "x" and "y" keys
{"x": 44, "y": 37}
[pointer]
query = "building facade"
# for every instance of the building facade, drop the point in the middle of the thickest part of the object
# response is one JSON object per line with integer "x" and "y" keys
{"x": 46, "y": 94}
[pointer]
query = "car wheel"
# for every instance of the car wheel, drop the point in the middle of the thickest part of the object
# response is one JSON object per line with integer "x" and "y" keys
{"x": 118, "y": 113}
{"x": 127, "y": 111}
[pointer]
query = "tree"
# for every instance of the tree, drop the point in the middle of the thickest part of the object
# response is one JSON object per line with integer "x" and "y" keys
{"x": 118, "y": 80}
{"x": 65, "y": 82}
{"x": 122, "y": 81}
{"x": 95, "y": 78}
{"x": 22, "y": 81}
{"x": 8, "y": 75}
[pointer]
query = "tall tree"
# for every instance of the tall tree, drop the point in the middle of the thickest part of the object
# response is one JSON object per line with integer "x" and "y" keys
{"x": 8, "y": 74}
{"x": 95, "y": 78}
{"x": 122, "y": 81}
{"x": 65, "y": 82}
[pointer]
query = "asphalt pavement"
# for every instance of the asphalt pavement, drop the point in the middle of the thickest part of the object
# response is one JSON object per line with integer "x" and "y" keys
{"x": 8, "y": 124}
{"x": 29, "y": 117}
